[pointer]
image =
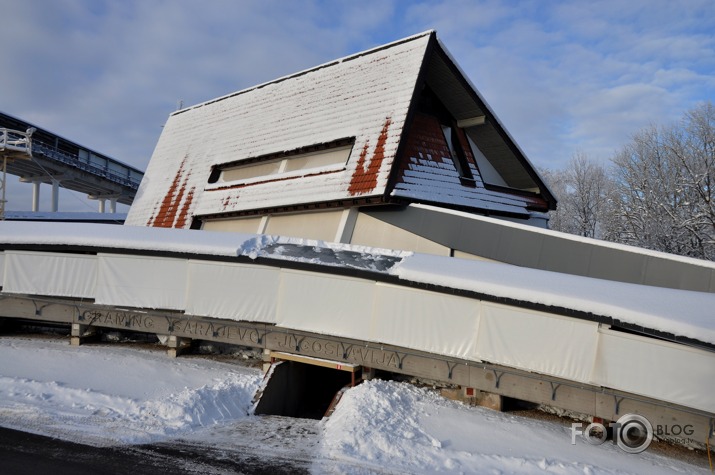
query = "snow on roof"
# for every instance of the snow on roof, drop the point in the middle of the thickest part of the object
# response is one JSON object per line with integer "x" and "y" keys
{"x": 682, "y": 313}
{"x": 305, "y": 71}
{"x": 364, "y": 97}
{"x": 429, "y": 175}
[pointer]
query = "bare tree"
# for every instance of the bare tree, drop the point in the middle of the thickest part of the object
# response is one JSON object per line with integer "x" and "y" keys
{"x": 694, "y": 150}
{"x": 589, "y": 182}
{"x": 663, "y": 196}
{"x": 582, "y": 192}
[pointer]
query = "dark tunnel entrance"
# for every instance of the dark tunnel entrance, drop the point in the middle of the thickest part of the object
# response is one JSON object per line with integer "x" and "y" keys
{"x": 297, "y": 389}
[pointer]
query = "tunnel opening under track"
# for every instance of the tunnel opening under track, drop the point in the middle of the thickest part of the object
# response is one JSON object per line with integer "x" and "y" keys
{"x": 300, "y": 389}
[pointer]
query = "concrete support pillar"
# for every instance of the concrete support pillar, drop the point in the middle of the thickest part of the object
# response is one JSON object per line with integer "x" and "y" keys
{"x": 347, "y": 225}
{"x": 36, "y": 195}
{"x": 177, "y": 345}
{"x": 368, "y": 373}
{"x": 102, "y": 201}
{"x": 487, "y": 399}
{"x": 80, "y": 333}
{"x": 55, "y": 195}
{"x": 475, "y": 397}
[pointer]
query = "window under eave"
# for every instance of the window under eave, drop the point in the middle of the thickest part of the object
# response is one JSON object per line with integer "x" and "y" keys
{"x": 500, "y": 166}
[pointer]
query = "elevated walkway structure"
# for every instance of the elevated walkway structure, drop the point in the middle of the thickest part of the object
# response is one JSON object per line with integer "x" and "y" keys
{"x": 57, "y": 161}
{"x": 582, "y": 344}
{"x": 67, "y": 217}
{"x": 14, "y": 144}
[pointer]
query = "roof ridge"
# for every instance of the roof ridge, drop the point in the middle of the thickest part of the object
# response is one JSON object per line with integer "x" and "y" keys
{"x": 309, "y": 70}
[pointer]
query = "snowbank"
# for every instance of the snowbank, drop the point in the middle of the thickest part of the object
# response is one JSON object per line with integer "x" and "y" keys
{"x": 396, "y": 426}
{"x": 109, "y": 395}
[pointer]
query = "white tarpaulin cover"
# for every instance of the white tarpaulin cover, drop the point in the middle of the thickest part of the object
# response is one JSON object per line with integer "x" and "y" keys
{"x": 535, "y": 341}
{"x": 140, "y": 281}
{"x": 426, "y": 321}
{"x": 335, "y": 305}
{"x": 511, "y": 333}
{"x": 656, "y": 369}
{"x": 235, "y": 291}
{"x": 48, "y": 273}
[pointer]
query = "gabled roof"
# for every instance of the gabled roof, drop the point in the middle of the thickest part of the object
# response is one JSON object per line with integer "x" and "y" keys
{"x": 367, "y": 100}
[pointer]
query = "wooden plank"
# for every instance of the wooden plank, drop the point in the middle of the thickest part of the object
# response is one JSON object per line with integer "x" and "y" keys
{"x": 337, "y": 365}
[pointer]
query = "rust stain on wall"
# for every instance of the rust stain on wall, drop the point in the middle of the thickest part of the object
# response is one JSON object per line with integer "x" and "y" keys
{"x": 181, "y": 220}
{"x": 171, "y": 206}
{"x": 364, "y": 179}
{"x": 425, "y": 145}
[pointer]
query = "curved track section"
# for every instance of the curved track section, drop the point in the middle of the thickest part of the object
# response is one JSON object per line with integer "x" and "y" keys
{"x": 653, "y": 343}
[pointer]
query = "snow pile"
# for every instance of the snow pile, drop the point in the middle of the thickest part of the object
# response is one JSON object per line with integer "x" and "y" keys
{"x": 334, "y": 255}
{"x": 107, "y": 396}
{"x": 110, "y": 395}
{"x": 384, "y": 425}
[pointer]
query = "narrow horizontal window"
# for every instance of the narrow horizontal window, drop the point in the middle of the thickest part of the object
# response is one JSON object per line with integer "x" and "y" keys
{"x": 250, "y": 171}
{"x": 306, "y": 159}
{"x": 335, "y": 156}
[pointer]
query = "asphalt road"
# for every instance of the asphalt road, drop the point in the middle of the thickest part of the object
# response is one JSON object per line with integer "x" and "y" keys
{"x": 23, "y": 453}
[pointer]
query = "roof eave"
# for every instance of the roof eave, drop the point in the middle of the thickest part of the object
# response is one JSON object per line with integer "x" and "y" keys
{"x": 548, "y": 195}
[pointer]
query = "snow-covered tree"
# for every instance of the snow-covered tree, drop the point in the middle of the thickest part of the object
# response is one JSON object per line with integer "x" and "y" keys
{"x": 582, "y": 191}
{"x": 663, "y": 196}
{"x": 590, "y": 184}
{"x": 694, "y": 149}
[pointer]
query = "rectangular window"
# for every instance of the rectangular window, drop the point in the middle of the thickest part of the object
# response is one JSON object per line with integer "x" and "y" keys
{"x": 335, "y": 156}
{"x": 250, "y": 171}
{"x": 318, "y": 158}
{"x": 489, "y": 174}
{"x": 458, "y": 157}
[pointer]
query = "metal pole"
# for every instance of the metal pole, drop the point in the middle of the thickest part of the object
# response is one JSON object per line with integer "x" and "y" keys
{"x": 2, "y": 185}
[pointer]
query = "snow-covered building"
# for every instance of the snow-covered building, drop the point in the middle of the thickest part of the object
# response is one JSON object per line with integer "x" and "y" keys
{"x": 319, "y": 153}
{"x": 390, "y": 148}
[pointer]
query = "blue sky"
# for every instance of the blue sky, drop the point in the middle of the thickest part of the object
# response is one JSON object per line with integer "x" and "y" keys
{"x": 563, "y": 76}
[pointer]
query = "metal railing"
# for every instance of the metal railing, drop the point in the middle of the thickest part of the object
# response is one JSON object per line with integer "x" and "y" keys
{"x": 16, "y": 141}
{"x": 74, "y": 161}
